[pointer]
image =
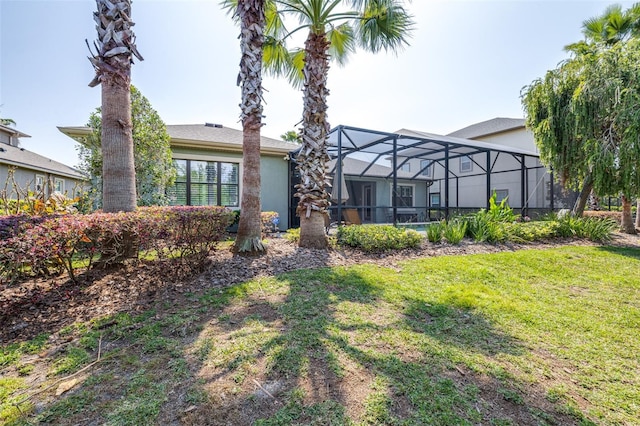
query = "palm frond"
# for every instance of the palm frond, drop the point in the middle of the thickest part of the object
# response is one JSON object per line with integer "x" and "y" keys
{"x": 295, "y": 74}
{"x": 275, "y": 57}
{"x": 593, "y": 29}
{"x": 342, "y": 43}
{"x": 230, "y": 7}
{"x": 385, "y": 25}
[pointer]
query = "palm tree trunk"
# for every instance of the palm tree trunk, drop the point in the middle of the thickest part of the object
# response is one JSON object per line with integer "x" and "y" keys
{"x": 638, "y": 213}
{"x": 118, "y": 169}
{"x": 252, "y": 21}
{"x": 627, "y": 225}
{"x": 313, "y": 158}
{"x": 112, "y": 62}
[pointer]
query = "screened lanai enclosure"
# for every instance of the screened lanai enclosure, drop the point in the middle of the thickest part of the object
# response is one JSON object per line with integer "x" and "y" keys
{"x": 416, "y": 177}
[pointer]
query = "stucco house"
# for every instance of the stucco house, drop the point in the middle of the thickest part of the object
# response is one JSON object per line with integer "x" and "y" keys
{"x": 208, "y": 158}
{"x": 403, "y": 176}
{"x": 33, "y": 172}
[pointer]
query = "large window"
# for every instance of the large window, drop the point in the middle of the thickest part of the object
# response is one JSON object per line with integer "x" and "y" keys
{"x": 205, "y": 183}
{"x": 404, "y": 196}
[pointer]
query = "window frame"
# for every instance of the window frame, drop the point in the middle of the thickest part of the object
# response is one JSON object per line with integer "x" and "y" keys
{"x": 498, "y": 191}
{"x": 218, "y": 184}
{"x": 406, "y": 167}
{"x": 413, "y": 194}
{"x": 470, "y": 162}
{"x": 42, "y": 187}
{"x": 435, "y": 194}
{"x": 57, "y": 181}
{"x": 426, "y": 170}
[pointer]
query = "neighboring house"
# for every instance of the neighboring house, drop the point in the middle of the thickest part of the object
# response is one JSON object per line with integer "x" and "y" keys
{"x": 510, "y": 132}
{"x": 33, "y": 172}
{"x": 208, "y": 158}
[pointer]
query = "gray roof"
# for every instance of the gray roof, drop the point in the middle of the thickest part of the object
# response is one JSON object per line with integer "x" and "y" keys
{"x": 217, "y": 134}
{"x": 489, "y": 127}
{"x": 211, "y": 136}
{"x": 13, "y": 132}
{"x": 20, "y": 157}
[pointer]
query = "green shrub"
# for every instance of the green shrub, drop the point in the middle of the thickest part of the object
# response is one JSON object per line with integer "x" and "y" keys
{"x": 292, "y": 234}
{"x": 482, "y": 227}
{"x": 599, "y": 230}
{"x": 434, "y": 232}
{"x": 455, "y": 230}
{"x": 373, "y": 238}
{"x": 532, "y": 231}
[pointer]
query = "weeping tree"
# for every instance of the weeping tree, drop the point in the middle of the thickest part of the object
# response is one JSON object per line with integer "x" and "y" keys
{"x": 335, "y": 28}
{"x": 114, "y": 52}
{"x": 251, "y": 16}
{"x": 585, "y": 119}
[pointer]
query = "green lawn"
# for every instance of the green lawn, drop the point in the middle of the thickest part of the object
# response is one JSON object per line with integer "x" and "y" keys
{"x": 531, "y": 337}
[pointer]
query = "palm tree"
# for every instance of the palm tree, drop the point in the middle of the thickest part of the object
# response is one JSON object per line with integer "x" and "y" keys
{"x": 7, "y": 122}
{"x": 335, "y": 28}
{"x": 112, "y": 61}
{"x": 251, "y": 15}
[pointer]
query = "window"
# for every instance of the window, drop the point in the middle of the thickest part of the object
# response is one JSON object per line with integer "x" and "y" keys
{"x": 425, "y": 166}
{"x": 39, "y": 183}
{"x": 466, "y": 165}
{"x": 406, "y": 167}
{"x": 205, "y": 183}
{"x": 404, "y": 196}
{"x": 501, "y": 194}
{"x": 434, "y": 199}
{"x": 59, "y": 185}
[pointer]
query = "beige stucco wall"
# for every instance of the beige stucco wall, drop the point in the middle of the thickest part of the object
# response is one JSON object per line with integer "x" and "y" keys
{"x": 471, "y": 190}
{"x": 519, "y": 138}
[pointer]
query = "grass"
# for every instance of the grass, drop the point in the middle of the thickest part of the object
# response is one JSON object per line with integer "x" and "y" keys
{"x": 526, "y": 337}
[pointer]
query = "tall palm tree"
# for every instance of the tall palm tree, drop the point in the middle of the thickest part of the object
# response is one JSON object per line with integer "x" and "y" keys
{"x": 251, "y": 16}
{"x": 335, "y": 28}
{"x": 115, "y": 48}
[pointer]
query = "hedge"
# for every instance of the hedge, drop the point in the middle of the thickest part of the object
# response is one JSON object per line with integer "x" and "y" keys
{"x": 45, "y": 245}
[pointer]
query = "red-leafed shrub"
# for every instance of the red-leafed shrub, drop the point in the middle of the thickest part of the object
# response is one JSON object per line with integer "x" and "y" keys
{"x": 36, "y": 246}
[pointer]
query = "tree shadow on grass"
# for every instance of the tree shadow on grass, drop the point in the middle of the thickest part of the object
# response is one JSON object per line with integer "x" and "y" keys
{"x": 329, "y": 348}
{"x": 633, "y": 252}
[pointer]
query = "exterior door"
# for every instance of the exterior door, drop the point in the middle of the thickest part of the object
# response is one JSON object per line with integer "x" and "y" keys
{"x": 367, "y": 201}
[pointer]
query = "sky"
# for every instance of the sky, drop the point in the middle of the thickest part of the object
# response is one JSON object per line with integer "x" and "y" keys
{"x": 467, "y": 62}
